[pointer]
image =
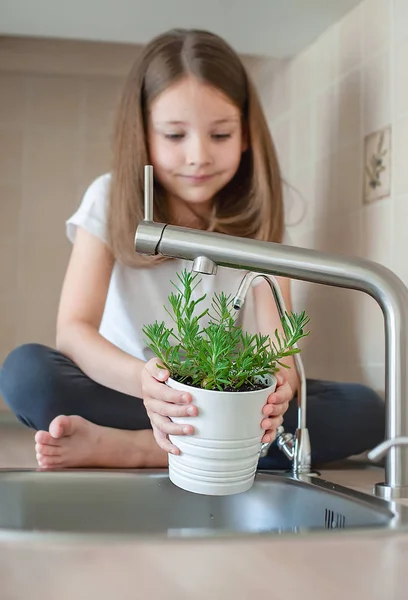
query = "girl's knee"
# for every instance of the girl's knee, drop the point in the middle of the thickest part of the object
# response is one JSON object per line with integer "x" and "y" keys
{"x": 26, "y": 370}
{"x": 345, "y": 419}
{"x": 371, "y": 414}
{"x": 367, "y": 398}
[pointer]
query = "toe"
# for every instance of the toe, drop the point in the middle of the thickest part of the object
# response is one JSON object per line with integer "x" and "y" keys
{"x": 47, "y": 462}
{"x": 47, "y": 450}
{"x": 61, "y": 426}
{"x": 43, "y": 437}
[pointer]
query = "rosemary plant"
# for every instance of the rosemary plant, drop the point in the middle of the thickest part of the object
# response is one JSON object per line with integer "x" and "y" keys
{"x": 220, "y": 356}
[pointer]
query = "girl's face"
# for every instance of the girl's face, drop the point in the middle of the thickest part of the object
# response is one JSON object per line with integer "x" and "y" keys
{"x": 195, "y": 142}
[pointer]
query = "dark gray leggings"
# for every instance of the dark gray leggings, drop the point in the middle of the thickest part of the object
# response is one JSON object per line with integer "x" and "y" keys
{"x": 39, "y": 383}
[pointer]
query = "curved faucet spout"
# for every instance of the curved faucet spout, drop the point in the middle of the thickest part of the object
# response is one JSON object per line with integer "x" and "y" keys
{"x": 297, "y": 447}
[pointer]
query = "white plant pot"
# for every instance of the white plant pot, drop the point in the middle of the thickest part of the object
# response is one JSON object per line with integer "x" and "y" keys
{"x": 221, "y": 457}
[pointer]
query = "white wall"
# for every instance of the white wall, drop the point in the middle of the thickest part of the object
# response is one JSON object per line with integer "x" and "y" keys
{"x": 262, "y": 27}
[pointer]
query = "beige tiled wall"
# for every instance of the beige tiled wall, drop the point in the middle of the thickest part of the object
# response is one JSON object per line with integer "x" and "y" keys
{"x": 353, "y": 80}
{"x": 56, "y": 105}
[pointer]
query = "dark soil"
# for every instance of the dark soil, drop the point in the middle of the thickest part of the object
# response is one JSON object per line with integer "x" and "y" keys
{"x": 244, "y": 388}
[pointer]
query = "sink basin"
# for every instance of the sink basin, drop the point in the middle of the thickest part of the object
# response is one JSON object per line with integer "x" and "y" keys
{"x": 140, "y": 502}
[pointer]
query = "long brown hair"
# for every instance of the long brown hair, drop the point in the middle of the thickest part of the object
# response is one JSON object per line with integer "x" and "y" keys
{"x": 250, "y": 205}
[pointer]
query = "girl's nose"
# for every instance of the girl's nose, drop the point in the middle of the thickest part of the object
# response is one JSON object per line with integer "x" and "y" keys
{"x": 198, "y": 152}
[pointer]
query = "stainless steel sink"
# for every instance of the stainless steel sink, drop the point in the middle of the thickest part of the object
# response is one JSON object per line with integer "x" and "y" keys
{"x": 147, "y": 503}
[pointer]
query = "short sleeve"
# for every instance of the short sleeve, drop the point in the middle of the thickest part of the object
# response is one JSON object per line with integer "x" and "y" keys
{"x": 93, "y": 210}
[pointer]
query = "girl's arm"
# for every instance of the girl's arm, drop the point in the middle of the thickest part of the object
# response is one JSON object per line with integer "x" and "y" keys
{"x": 267, "y": 320}
{"x": 80, "y": 312}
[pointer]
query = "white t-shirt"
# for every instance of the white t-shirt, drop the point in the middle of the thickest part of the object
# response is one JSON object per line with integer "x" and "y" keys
{"x": 137, "y": 296}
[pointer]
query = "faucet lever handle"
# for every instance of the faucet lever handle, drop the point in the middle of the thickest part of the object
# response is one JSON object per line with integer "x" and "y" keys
{"x": 148, "y": 193}
{"x": 380, "y": 450}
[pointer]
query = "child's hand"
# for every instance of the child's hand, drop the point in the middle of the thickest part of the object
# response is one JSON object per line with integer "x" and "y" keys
{"x": 276, "y": 406}
{"x": 162, "y": 402}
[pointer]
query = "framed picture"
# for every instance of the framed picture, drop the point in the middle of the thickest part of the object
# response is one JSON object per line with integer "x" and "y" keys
{"x": 377, "y": 165}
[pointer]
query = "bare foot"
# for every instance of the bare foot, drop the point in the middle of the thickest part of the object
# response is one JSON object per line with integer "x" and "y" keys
{"x": 75, "y": 442}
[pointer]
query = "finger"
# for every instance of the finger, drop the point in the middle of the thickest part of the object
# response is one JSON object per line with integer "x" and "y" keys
{"x": 270, "y": 434}
{"x": 163, "y": 442}
{"x": 280, "y": 378}
{"x": 283, "y": 394}
{"x": 158, "y": 391}
{"x": 156, "y": 369}
{"x": 167, "y": 409}
{"x": 166, "y": 426}
{"x": 274, "y": 410}
{"x": 269, "y": 437}
{"x": 268, "y": 409}
{"x": 271, "y": 424}
{"x": 277, "y": 424}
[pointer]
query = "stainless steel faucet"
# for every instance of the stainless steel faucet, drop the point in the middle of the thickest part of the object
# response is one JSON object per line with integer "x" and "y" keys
{"x": 308, "y": 265}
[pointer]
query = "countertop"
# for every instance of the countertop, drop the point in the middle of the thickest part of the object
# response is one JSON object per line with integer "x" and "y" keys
{"x": 331, "y": 566}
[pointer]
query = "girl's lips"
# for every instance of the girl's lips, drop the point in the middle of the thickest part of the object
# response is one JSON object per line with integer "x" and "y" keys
{"x": 198, "y": 178}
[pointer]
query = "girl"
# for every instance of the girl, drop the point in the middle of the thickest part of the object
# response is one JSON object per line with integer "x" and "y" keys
{"x": 99, "y": 400}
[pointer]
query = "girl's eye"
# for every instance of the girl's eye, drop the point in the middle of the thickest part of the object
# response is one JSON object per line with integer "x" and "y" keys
{"x": 174, "y": 136}
{"x": 221, "y": 136}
